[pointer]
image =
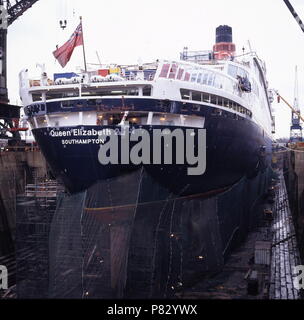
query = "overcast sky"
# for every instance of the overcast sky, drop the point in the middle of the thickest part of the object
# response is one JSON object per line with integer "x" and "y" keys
{"x": 121, "y": 31}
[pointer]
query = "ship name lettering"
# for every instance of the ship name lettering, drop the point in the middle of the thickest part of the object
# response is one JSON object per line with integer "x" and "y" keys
{"x": 54, "y": 133}
{"x": 89, "y": 132}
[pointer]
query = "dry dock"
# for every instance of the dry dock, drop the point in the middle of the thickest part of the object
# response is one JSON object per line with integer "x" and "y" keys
{"x": 259, "y": 265}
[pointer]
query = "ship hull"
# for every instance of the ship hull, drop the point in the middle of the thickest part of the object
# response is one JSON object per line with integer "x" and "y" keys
{"x": 235, "y": 147}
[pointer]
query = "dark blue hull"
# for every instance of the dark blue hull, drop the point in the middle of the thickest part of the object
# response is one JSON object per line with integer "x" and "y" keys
{"x": 235, "y": 147}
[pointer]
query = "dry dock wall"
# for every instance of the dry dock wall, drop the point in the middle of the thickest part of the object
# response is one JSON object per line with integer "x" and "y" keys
{"x": 16, "y": 169}
{"x": 293, "y": 163}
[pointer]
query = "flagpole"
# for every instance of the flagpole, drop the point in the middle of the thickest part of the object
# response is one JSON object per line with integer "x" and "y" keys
{"x": 84, "y": 56}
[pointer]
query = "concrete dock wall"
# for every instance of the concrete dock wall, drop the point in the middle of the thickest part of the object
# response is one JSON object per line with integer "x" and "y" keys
{"x": 16, "y": 169}
{"x": 293, "y": 162}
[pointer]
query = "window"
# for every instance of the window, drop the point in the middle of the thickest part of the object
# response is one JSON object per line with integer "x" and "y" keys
{"x": 52, "y": 95}
{"x": 132, "y": 92}
{"x": 199, "y": 77}
{"x": 220, "y": 101}
{"x": 193, "y": 77}
{"x": 196, "y": 96}
{"x": 36, "y": 97}
{"x": 211, "y": 79}
{"x": 232, "y": 70}
{"x": 180, "y": 73}
{"x": 70, "y": 94}
{"x": 213, "y": 99}
{"x": 210, "y": 98}
{"x": 185, "y": 94}
{"x": 172, "y": 72}
{"x": 205, "y": 78}
{"x": 187, "y": 76}
{"x": 113, "y": 92}
{"x": 206, "y": 97}
{"x": 218, "y": 81}
{"x": 164, "y": 70}
{"x": 147, "y": 91}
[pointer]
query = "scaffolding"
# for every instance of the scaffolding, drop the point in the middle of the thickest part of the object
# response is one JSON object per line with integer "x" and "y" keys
{"x": 35, "y": 209}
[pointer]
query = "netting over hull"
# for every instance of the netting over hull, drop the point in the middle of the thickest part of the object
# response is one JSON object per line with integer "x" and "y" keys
{"x": 129, "y": 237}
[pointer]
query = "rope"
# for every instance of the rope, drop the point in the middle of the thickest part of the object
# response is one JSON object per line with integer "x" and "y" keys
{"x": 198, "y": 195}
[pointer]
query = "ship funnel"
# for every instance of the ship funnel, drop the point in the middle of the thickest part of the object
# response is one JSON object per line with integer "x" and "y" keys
{"x": 224, "y": 48}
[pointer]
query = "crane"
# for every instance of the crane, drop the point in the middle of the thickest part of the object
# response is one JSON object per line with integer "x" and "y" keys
{"x": 295, "y": 15}
{"x": 10, "y": 10}
{"x": 295, "y": 128}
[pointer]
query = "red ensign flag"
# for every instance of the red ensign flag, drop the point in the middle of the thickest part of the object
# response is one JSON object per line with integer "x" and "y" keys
{"x": 63, "y": 54}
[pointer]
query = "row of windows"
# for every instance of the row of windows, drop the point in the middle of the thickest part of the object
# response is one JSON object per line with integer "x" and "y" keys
{"x": 201, "y": 76}
{"x": 207, "y": 77}
{"x": 214, "y": 99}
{"x": 146, "y": 91}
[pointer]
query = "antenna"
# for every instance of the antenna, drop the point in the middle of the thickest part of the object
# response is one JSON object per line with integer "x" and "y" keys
{"x": 98, "y": 58}
{"x": 249, "y": 46}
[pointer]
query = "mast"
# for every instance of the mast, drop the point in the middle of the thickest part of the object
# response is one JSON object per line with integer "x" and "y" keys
{"x": 83, "y": 49}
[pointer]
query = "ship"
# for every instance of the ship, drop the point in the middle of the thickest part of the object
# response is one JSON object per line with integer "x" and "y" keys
{"x": 152, "y": 219}
{"x": 211, "y": 90}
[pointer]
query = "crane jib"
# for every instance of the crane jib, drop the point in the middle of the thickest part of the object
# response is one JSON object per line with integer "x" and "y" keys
{"x": 295, "y": 15}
